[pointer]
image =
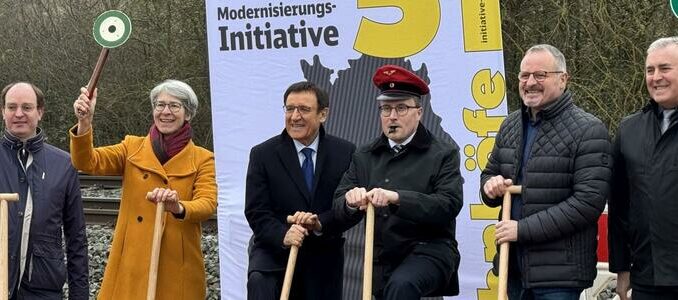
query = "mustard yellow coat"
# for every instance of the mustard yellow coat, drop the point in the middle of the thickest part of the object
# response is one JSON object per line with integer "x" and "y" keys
{"x": 181, "y": 271}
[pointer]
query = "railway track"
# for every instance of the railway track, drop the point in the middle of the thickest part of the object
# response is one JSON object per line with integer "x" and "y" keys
{"x": 104, "y": 210}
{"x": 106, "y": 182}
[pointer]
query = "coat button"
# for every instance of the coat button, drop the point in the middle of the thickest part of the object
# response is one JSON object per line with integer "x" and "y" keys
{"x": 22, "y": 179}
{"x": 140, "y": 218}
{"x": 21, "y": 214}
{"x": 387, "y": 180}
{"x": 145, "y": 175}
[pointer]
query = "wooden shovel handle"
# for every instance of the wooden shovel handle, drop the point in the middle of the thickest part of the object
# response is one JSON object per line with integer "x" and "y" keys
{"x": 155, "y": 250}
{"x": 9, "y": 197}
{"x": 4, "y": 231}
{"x": 369, "y": 252}
{"x": 289, "y": 273}
{"x": 504, "y": 247}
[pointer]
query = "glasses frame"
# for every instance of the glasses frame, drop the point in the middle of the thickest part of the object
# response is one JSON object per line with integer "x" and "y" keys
{"x": 302, "y": 109}
{"x": 401, "y": 109}
{"x": 539, "y": 78}
{"x": 160, "y": 106}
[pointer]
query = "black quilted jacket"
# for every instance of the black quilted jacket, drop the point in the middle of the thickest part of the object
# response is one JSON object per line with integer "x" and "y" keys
{"x": 565, "y": 186}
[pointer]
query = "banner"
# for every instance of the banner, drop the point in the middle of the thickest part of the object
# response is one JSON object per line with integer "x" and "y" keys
{"x": 258, "y": 48}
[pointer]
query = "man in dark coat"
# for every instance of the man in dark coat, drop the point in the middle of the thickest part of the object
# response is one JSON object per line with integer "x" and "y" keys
{"x": 643, "y": 208}
{"x": 413, "y": 181}
{"x": 295, "y": 174}
{"x": 561, "y": 156}
{"x": 49, "y": 203}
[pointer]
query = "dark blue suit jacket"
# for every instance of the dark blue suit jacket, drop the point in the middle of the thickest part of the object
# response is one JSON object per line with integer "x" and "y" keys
{"x": 276, "y": 188}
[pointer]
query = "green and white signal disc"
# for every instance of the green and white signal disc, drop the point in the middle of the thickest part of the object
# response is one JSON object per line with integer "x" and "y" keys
{"x": 112, "y": 28}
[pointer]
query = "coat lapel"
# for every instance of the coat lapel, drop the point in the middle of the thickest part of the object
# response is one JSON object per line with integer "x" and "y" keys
{"x": 182, "y": 164}
{"x": 146, "y": 160}
{"x": 178, "y": 166}
{"x": 287, "y": 154}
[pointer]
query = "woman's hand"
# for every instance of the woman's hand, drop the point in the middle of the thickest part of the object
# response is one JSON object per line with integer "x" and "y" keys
{"x": 84, "y": 110}
{"x": 169, "y": 197}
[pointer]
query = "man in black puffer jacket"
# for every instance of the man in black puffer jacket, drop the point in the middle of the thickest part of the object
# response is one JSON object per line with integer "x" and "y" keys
{"x": 561, "y": 155}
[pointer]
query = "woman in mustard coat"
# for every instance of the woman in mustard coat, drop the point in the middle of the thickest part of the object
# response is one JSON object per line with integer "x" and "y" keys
{"x": 166, "y": 164}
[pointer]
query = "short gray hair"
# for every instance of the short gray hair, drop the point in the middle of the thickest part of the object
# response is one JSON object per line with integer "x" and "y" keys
{"x": 663, "y": 43}
{"x": 181, "y": 91}
{"x": 561, "y": 65}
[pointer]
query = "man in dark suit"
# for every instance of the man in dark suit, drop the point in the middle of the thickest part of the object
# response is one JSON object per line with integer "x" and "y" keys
{"x": 295, "y": 174}
{"x": 643, "y": 241}
{"x": 413, "y": 181}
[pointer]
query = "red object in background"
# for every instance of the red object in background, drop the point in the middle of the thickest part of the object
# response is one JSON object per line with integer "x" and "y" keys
{"x": 602, "y": 238}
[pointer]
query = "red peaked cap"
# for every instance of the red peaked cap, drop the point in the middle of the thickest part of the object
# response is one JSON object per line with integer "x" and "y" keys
{"x": 397, "y": 83}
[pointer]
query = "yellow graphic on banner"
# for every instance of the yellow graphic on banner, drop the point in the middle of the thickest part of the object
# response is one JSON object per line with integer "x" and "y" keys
{"x": 489, "y": 293}
{"x": 412, "y": 34}
{"x": 482, "y": 25}
{"x": 488, "y": 91}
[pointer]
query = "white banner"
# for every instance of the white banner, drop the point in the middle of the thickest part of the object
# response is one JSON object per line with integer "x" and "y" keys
{"x": 258, "y": 48}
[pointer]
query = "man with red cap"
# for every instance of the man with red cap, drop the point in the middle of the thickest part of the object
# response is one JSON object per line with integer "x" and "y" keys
{"x": 413, "y": 181}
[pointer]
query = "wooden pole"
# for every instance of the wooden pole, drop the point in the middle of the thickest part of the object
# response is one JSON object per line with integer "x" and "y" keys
{"x": 98, "y": 68}
{"x": 369, "y": 251}
{"x": 155, "y": 250}
{"x": 4, "y": 231}
{"x": 289, "y": 273}
{"x": 504, "y": 247}
{"x": 94, "y": 79}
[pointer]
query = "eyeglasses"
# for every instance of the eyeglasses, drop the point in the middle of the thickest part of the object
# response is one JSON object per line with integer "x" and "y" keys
{"x": 174, "y": 107}
{"x": 401, "y": 109}
{"x": 304, "y": 110}
{"x": 26, "y": 108}
{"x": 538, "y": 76}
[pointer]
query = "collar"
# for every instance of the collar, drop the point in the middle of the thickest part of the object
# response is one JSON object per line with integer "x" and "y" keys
{"x": 657, "y": 110}
{"x": 421, "y": 139}
{"x": 391, "y": 143}
{"x": 33, "y": 144}
{"x": 313, "y": 145}
{"x": 552, "y": 109}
